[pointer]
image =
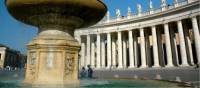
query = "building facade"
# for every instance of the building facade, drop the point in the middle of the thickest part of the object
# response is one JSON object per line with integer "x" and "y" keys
{"x": 165, "y": 37}
{"x": 11, "y": 58}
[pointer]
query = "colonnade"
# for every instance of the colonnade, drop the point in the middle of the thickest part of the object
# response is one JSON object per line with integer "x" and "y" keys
{"x": 170, "y": 44}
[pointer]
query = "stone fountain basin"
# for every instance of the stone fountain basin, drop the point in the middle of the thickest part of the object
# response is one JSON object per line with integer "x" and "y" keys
{"x": 74, "y": 13}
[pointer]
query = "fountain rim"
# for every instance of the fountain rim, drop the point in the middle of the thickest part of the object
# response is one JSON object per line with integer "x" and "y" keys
{"x": 97, "y": 0}
{"x": 83, "y": 25}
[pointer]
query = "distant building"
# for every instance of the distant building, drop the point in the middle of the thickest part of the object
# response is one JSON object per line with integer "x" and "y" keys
{"x": 11, "y": 58}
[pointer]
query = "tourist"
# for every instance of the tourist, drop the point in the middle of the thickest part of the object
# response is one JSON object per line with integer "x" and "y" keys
{"x": 83, "y": 73}
{"x": 197, "y": 66}
{"x": 90, "y": 72}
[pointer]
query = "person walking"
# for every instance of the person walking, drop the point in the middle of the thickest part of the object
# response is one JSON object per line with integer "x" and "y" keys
{"x": 83, "y": 73}
{"x": 90, "y": 72}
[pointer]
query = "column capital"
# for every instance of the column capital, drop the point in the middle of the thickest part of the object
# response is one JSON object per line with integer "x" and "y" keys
{"x": 108, "y": 33}
{"x": 165, "y": 21}
{"x": 153, "y": 26}
{"x": 88, "y": 34}
{"x": 98, "y": 34}
{"x": 166, "y": 24}
{"x": 130, "y": 30}
{"x": 141, "y": 28}
{"x": 192, "y": 16}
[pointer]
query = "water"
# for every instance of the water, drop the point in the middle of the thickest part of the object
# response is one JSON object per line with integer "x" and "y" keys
{"x": 95, "y": 83}
{"x": 15, "y": 81}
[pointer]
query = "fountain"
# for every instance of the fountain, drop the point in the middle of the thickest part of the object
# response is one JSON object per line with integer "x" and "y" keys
{"x": 53, "y": 54}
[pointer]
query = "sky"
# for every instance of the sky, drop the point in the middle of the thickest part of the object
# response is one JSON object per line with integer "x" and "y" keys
{"x": 16, "y": 35}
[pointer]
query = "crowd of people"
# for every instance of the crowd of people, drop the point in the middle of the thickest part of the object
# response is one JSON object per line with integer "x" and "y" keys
{"x": 86, "y": 73}
{"x": 9, "y": 68}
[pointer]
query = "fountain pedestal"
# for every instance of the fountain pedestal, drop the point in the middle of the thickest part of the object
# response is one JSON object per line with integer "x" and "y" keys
{"x": 52, "y": 58}
{"x": 53, "y": 54}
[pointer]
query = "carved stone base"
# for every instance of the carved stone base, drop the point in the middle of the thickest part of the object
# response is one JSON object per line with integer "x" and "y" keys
{"x": 52, "y": 58}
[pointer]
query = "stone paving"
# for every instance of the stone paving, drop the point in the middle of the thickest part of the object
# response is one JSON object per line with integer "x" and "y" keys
{"x": 171, "y": 74}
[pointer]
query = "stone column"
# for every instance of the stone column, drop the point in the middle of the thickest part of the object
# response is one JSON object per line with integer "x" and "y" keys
{"x": 174, "y": 46}
{"x": 83, "y": 55}
{"x": 113, "y": 52}
{"x": 188, "y": 44}
{"x": 189, "y": 48}
{"x": 98, "y": 61}
{"x": 88, "y": 50}
{"x": 93, "y": 54}
{"x": 3, "y": 57}
{"x": 196, "y": 37}
{"x": 124, "y": 51}
{"x": 160, "y": 47}
{"x": 168, "y": 46}
{"x": 131, "y": 52}
{"x": 148, "y": 51}
{"x": 135, "y": 40}
{"x": 119, "y": 45}
{"x": 109, "y": 56}
{"x": 103, "y": 56}
{"x": 143, "y": 50}
{"x": 155, "y": 47}
{"x": 182, "y": 44}
{"x": 176, "y": 49}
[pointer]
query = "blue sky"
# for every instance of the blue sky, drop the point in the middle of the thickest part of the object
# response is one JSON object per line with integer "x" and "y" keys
{"x": 16, "y": 34}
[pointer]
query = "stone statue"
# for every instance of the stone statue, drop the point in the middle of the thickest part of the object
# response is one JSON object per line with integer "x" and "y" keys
{"x": 118, "y": 13}
{"x": 129, "y": 11}
{"x": 163, "y": 3}
{"x": 139, "y": 8}
{"x": 108, "y": 15}
{"x": 151, "y": 5}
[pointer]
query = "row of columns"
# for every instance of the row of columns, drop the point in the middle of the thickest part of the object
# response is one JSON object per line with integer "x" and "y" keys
{"x": 112, "y": 53}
